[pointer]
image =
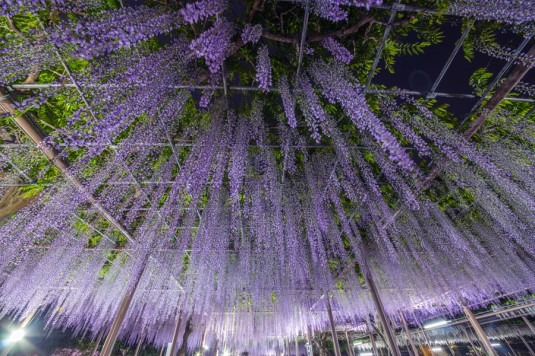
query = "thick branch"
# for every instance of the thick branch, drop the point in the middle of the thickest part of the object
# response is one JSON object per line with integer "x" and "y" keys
{"x": 11, "y": 25}
{"x": 32, "y": 77}
{"x": 321, "y": 36}
{"x": 257, "y": 6}
{"x": 512, "y": 80}
{"x": 187, "y": 332}
{"x": 280, "y": 38}
{"x": 343, "y": 32}
{"x": 501, "y": 93}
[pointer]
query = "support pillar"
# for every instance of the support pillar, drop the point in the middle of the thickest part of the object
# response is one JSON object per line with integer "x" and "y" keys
{"x": 470, "y": 341}
{"x": 333, "y": 328}
{"x": 427, "y": 342}
{"x": 107, "y": 348}
{"x": 310, "y": 349}
{"x": 409, "y": 336}
{"x": 510, "y": 347}
{"x": 349, "y": 346}
{"x": 296, "y": 346}
{"x": 138, "y": 347}
{"x": 531, "y": 352}
{"x": 287, "y": 347}
{"x": 97, "y": 342}
{"x": 175, "y": 336}
{"x": 479, "y": 331}
{"x": 374, "y": 346}
{"x": 389, "y": 333}
{"x": 529, "y": 324}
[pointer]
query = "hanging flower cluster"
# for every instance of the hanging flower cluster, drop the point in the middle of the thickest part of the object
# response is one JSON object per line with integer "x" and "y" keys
{"x": 337, "y": 50}
{"x": 113, "y": 30}
{"x": 251, "y": 33}
{"x": 201, "y": 10}
{"x": 213, "y": 44}
{"x": 263, "y": 69}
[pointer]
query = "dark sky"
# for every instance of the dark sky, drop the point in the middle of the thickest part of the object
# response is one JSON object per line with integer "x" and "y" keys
{"x": 425, "y": 68}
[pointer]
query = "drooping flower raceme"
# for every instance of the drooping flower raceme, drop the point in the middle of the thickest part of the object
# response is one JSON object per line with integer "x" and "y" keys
{"x": 251, "y": 33}
{"x": 263, "y": 69}
{"x": 213, "y": 44}
{"x": 331, "y": 10}
{"x": 288, "y": 101}
{"x": 337, "y": 87}
{"x": 201, "y": 10}
{"x": 110, "y": 31}
{"x": 338, "y": 51}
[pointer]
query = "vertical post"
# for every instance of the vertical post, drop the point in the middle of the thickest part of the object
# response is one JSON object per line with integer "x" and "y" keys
{"x": 333, "y": 328}
{"x": 296, "y": 346}
{"x": 107, "y": 348}
{"x": 310, "y": 350}
{"x": 390, "y": 337}
{"x": 426, "y": 341}
{"x": 479, "y": 331}
{"x": 470, "y": 341}
{"x": 374, "y": 346}
{"x": 409, "y": 336}
{"x": 287, "y": 347}
{"x": 531, "y": 352}
{"x": 175, "y": 335}
{"x": 529, "y": 324}
{"x": 97, "y": 342}
{"x": 510, "y": 347}
{"x": 138, "y": 347}
{"x": 203, "y": 340}
{"x": 349, "y": 346}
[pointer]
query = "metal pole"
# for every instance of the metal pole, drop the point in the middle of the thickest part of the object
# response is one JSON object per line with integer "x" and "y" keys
{"x": 529, "y": 324}
{"x": 510, "y": 347}
{"x": 138, "y": 347}
{"x": 349, "y": 346}
{"x": 482, "y": 336}
{"x": 97, "y": 343}
{"x": 390, "y": 338}
{"x": 333, "y": 328}
{"x": 107, "y": 348}
{"x": 470, "y": 341}
{"x": 310, "y": 350}
{"x": 287, "y": 346}
{"x": 374, "y": 346}
{"x": 296, "y": 347}
{"x": 409, "y": 336}
{"x": 531, "y": 352}
{"x": 427, "y": 342}
{"x": 175, "y": 335}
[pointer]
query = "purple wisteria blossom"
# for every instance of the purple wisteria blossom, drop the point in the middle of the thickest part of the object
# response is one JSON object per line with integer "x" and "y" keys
{"x": 338, "y": 51}
{"x": 251, "y": 33}
{"x": 201, "y": 10}
{"x": 263, "y": 69}
{"x": 213, "y": 44}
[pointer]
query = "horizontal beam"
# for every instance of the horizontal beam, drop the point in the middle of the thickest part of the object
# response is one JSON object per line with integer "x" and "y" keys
{"x": 250, "y": 88}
